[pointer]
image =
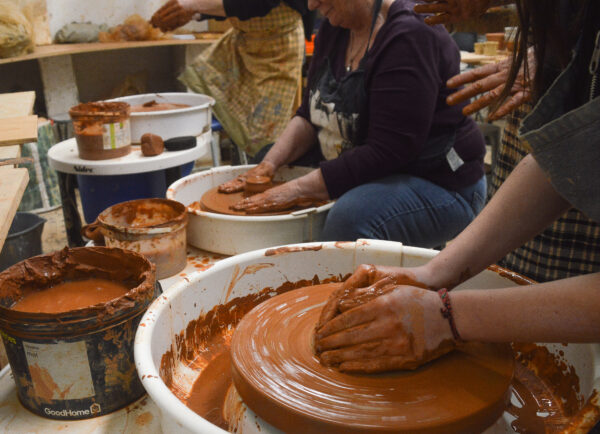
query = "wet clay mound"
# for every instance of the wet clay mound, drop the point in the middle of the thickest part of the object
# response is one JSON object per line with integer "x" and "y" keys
{"x": 278, "y": 376}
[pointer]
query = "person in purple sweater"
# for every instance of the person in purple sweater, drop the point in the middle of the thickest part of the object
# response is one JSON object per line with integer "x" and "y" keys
{"x": 402, "y": 164}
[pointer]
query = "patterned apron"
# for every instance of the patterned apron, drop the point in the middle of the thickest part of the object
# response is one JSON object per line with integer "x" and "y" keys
{"x": 253, "y": 73}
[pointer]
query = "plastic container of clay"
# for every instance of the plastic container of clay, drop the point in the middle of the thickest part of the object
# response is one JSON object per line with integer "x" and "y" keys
{"x": 77, "y": 364}
{"x": 163, "y": 363}
{"x": 155, "y": 228}
{"x": 102, "y": 129}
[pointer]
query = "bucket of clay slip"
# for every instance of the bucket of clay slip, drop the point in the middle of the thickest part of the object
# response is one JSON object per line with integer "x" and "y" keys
{"x": 102, "y": 129}
{"x": 77, "y": 364}
{"x": 156, "y": 228}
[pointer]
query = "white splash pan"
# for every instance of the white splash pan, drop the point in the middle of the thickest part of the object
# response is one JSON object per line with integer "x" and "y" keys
{"x": 231, "y": 234}
{"x": 250, "y": 272}
{"x": 187, "y": 121}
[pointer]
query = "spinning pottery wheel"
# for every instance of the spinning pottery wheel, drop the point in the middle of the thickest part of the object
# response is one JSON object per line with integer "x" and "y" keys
{"x": 277, "y": 375}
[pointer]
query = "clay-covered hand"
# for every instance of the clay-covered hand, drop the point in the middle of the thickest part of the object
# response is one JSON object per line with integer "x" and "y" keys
{"x": 281, "y": 198}
{"x": 491, "y": 79}
{"x": 367, "y": 282}
{"x": 401, "y": 329}
{"x": 172, "y": 15}
{"x": 265, "y": 168}
{"x": 452, "y": 11}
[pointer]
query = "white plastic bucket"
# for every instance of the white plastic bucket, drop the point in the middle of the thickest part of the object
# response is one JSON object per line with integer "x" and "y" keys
{"x": 232, "y": 234}
{"x": 170, "y": 314}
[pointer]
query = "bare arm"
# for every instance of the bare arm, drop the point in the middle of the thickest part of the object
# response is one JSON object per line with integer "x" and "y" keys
{"x": 297, "y": 138}
{"x": 207, "y": 7}
{"x": 523, "y": 206}
{"x": 566, "y": 310}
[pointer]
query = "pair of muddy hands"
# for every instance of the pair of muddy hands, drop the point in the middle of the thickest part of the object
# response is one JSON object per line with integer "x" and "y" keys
{"x": 382, "y": 319}
{"x": 172, "y": 15}
{"x": 280, "y": 198}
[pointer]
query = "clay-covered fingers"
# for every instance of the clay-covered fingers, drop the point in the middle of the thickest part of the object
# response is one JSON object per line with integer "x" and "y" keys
{"x": 432, "y": 7}
{"x": 171, "y": 16}
{"x": 233, "y": 186}
{"x": 331, "y": 306}
{"x": 478, "y": 87}
{"x": 482, "y": 102}
{"x": 367, "y": 350}
{"x": 510, "y": 105}
{"x": 474, "y": 75}
{"x": 359, "y": 296}
{"x": 329, "y": 335}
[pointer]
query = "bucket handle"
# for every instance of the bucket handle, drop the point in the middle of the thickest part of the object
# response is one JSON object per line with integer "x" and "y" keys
{"x": 93, "y": 232}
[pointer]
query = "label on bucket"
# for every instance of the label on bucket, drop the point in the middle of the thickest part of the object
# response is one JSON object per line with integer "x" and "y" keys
{"x": 117, "y": 135}
{"x": 60, "y": 371}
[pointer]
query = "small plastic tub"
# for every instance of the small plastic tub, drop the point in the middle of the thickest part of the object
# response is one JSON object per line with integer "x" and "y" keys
{"x": 102, "y": 129}
{"x": 155, "y": 228}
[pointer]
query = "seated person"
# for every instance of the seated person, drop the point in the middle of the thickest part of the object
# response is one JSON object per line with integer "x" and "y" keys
{"x": 402, "y": 164}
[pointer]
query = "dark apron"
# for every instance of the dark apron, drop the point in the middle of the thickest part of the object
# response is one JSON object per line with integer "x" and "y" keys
{"x": 337, "y": 107}
{"x": 566, "y": 143}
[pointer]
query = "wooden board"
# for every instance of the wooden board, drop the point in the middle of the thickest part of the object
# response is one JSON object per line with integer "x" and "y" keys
{"x": 68, "y": 49}
{"x": 16, "y": 104}
{"x": 480, "y": 59}
{"x": 13, "y": 151}
{"x": 12, "y": 187}
{"x": 14, "y": 131}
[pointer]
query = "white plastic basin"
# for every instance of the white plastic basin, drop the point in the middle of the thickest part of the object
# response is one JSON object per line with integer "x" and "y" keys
{"x": 184, "y": 302}
{"x": 187, "y": 121}
{"x": 231, "y": 234}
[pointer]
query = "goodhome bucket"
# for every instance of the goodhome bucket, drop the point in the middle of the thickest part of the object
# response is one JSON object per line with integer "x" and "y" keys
{"x": 77, "y": 364}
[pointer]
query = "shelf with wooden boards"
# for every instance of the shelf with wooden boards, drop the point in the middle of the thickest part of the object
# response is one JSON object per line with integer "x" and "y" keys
{"x": 68, "y": 49}
{"x": 17, "y": 125}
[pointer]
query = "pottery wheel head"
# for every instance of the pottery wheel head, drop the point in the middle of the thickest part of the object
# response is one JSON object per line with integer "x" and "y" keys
{"x": 278, "y": 376}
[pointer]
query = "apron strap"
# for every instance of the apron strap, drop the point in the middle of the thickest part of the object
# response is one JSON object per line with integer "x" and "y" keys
{"x": 376, "y": 10}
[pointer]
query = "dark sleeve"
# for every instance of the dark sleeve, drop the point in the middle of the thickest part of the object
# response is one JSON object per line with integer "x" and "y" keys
{"x": 402, "y": 85}
{"x": 245, "y": 9}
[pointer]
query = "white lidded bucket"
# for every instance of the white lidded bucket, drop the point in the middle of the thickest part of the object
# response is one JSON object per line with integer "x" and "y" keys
{"x": 186, "y": 121}
{"x": 233, "y": 234}
{"x": 248, "y": 273}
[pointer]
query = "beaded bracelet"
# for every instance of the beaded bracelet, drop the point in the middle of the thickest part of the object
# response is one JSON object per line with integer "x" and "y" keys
{"x": 447, "y": 312}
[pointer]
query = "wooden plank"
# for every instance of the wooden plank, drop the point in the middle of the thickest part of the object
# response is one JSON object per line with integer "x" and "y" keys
{"x": 16, "y": 104}
{"x": 12, "y": 187}
{"x": 68, "y": 49}
{"x": 14, "y": 131}
{"x": 13, "y": 151}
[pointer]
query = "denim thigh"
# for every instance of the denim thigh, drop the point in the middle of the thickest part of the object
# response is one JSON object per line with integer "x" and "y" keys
{"x": 404, "y": 208}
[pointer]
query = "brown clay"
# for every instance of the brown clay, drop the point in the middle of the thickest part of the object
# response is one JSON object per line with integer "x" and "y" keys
{"x": 152, "y": 145}
{"x": 68, "y": 296}
{"x": 257, "y": 184}
{"x": 277, "y": 375}
{"x": 222, "y": 203}
{"x": 40, "y": 272}
{"x": 153, "y": 106}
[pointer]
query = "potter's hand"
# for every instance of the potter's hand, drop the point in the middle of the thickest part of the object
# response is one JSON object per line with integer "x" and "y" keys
{"x": 491, "y": 79}
{"x": 172, "y": 15}
{"x": 452, "y": 11}
{"x": 280, "y": 198}
{"x": 265, "y": 168}
{"x": 401, "y": 329}
{"x": 367, "y": 282}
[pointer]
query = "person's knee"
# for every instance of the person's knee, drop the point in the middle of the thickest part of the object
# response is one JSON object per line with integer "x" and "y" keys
{"x": 345, "y": 222}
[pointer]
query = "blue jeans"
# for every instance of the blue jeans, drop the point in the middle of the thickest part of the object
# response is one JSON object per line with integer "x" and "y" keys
{"x": 404, "y": 208}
